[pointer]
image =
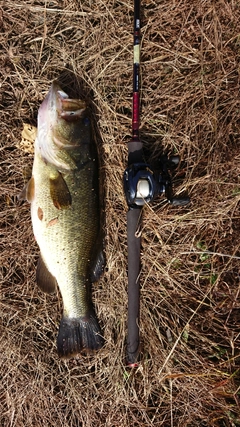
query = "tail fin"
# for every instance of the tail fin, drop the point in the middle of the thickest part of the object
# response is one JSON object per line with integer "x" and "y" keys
{"x": 76, "y": 335}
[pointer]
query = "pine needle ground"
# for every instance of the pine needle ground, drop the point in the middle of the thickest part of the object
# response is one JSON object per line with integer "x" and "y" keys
{"x": 190, "y": 303}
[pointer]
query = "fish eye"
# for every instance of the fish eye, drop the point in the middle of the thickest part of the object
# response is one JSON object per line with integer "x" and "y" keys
{"x": 86, "y": 121}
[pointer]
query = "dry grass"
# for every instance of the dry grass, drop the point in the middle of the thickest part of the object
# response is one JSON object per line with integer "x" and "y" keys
{"x": 190, "y": 320}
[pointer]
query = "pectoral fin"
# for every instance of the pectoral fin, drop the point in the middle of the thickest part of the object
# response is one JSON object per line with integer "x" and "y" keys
{"x": 59, "y": 191}
{"x": 28, "y": 191}
{"x": 45, "y": 280}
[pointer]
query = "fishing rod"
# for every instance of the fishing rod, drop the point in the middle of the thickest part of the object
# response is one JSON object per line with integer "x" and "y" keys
{"x": 142, "y": 184}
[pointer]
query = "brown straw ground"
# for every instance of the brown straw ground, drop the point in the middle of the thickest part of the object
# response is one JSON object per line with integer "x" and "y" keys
{"x": 189, "y": 373}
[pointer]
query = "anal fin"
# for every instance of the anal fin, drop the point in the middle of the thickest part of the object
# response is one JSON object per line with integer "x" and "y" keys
{"x": 45, "y": 280}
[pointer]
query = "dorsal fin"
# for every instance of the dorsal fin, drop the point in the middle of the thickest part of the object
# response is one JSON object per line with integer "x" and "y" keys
{"x": 98, "y": 265}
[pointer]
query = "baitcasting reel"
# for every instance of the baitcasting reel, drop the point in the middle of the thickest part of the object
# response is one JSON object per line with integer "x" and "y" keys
{"x": 142, "y": 184}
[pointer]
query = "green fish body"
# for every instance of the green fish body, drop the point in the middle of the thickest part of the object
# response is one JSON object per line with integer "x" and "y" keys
{"x": 63, "y": 192}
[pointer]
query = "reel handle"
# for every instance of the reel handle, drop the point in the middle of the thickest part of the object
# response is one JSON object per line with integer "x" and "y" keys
{"x": 180, "y": 201}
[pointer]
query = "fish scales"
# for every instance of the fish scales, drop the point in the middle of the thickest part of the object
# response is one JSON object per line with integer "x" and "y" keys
{"x": 71, "y": 236}
{"x": 63, "y": 192}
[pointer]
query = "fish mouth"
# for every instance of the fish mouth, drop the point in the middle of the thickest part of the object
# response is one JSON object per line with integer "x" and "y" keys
{"x": 59, "y": 102}
{"x": 57, "y": 116}
{"x": 67, "y": 108}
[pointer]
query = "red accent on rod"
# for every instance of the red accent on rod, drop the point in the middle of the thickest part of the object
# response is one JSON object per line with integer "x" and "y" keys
{"x": 135, "y": 113}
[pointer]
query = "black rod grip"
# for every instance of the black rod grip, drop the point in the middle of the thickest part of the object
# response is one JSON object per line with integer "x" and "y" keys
{"x": 134, "y": 242}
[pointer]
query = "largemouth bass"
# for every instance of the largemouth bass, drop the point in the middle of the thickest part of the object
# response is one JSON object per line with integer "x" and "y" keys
{"x": 63, "y": 192}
